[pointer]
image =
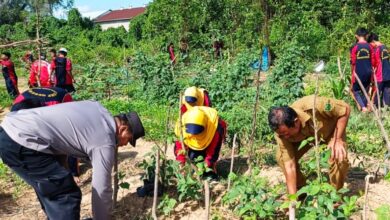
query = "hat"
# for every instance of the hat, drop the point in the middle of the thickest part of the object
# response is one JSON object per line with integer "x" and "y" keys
{"x": 135, "y": 124}
{"x": 62, "y": 49}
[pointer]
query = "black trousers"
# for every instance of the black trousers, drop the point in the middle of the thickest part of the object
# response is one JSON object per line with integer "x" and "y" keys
{"x": 57, "y": 192}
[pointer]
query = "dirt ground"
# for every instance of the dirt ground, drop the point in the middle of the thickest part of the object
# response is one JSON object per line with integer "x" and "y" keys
{"x": 130, "y": 206}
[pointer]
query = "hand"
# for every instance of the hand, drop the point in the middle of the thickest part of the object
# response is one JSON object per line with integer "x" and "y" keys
{"x": 337, "y": 149}
{"x": 73, "y": 80}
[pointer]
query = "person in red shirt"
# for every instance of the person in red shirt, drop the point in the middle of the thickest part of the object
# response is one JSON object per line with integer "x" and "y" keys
{"x": 40, "y": 71}
{"x": 10, "y": 77}
{"x": 61, "y": 68}
{"x": 171, "y": 51}
{"x": 381, "y": 65}
{"x": 203, "y": 134}
{"x": 361, "y": 58}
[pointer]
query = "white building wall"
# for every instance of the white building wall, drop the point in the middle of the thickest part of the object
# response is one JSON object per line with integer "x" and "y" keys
{"x": 115, "y": 24}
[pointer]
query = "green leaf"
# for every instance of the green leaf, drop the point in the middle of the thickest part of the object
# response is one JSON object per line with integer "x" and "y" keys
{"x": 124, "y": 185}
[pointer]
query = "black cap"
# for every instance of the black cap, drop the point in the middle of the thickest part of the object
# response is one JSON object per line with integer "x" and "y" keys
{"x": 136, "y": 126}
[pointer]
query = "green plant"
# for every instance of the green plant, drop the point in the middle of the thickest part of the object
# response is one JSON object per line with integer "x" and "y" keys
{"x": 167, "y": 204}
{"x": 382, "y": 212}
{"x": 319, "y": 202}
{"x": 251, "y": 197}
{"x": 123, "y": 184}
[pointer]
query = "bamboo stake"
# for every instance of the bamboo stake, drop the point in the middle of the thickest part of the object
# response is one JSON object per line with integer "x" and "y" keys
{"x": 291, "y": 211}
{"x": 116, "y": 180}
{"x": 155, "y": 194}
{"x": 181, "y": 125}
{"x": 316, "y": 131}
{"x": 232, "y": 160}
{"x": 377, "y": 118}
{"x": 163, "y": 173}
{"x": 377, "y": 95}
{"x": 367, "y": 178}
{"x": 23, "y": 43}
{"x": 207, "y": 198}
{"x": 38, "y": 76}
{"x": 249, "y": 162}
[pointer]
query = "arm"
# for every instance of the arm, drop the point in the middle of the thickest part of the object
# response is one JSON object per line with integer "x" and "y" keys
{"x": 52, "y": 70}
{"x": 291, "y": 176}
{"x": 341, "y": 110}
{"x": 179, "y": 153}
{"x": 102, "y": 162}
{"x": 69, "y": 69}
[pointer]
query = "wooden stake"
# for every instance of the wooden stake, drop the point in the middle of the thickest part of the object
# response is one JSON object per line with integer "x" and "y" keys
{"x": 155, "y": 194}
{"x": 251, "y": 151}
{"x": 291, "y": 211}
{"x": 207, "y": 198}
{"x": 38, "y": 76}
{"x": 316, "y": 131}
{"x": 377, "y": 95}
{"x": 232, "y": 160}
{"x": 367, "y": 178}
{"x": 116, "y": 180}
{"x": 181, "y": 126}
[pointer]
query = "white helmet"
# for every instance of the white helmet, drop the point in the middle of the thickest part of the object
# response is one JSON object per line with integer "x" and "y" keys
{"x": 62, "y": 49}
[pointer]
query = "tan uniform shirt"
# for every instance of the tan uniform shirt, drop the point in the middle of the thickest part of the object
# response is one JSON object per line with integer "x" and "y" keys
{"x": 328, "y": 111}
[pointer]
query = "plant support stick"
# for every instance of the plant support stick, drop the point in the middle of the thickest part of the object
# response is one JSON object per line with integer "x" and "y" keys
{"x": 207, "y": 198}
{"x": 232, "y": 160}
{"x": 155, "y": 194}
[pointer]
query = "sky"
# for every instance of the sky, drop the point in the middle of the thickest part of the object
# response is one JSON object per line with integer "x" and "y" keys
{"x": 93, "y": 8}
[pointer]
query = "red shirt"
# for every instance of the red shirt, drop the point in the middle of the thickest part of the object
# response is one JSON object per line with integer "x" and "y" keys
{"x": 10, "y": 70}
{"x": 44, "y": 77}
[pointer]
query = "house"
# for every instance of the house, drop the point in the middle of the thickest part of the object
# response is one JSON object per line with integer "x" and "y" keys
{"x": 117, "y": 18}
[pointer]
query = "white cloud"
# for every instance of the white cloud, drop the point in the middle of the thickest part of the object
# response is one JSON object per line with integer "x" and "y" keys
{"x": 84, "y": 10}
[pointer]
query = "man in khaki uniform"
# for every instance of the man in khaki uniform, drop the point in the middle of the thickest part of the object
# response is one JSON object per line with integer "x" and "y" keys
{"x": 294, "y": 124}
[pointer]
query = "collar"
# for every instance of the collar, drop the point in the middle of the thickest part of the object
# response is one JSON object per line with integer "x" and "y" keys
{"x": 302, "y": 116}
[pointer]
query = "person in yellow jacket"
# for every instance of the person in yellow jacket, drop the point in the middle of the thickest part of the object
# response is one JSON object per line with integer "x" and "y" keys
{"x": 203, "y": 133}
{"x": 194, "y": 96}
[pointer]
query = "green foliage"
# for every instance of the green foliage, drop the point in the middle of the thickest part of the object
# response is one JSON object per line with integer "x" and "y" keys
{"x": 285, "y": 84}
{"x": 320, "y": 200}
{"x": 99, "y": 81}
{"x": 123, "y": 184}
{"x": 167, "y": 205}
{"x": 251, "y": 197}
{"x": 5, "y": 98}
{"x": 156, "y": 76}
{"x": 382, "y": 212}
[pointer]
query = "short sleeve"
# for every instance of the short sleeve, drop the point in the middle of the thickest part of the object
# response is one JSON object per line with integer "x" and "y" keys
{"x": 286, "y": 149}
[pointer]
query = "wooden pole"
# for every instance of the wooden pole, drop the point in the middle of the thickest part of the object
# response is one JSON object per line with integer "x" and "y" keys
{"x": 291, "y": 211}
{"x": 316, "y": 130}
{"x": 207, "y": 198}
{"x": 155, "y": 194}
{"x": 252, "y": 137}
{"x": 232, "y": 160}
{"x": 116, "y": 180}
{"x": 181, "y": 126}
{"x": 367, "y": 178}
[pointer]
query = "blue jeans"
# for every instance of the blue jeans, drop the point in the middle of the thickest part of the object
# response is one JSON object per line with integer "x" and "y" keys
{"x": 57, "y": 192}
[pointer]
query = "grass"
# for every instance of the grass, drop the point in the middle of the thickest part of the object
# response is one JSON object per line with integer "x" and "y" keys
{"x": 10, "y": 182}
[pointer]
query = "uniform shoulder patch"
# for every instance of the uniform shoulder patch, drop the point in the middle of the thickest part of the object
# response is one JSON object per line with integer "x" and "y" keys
{"x": 328, "y": 106}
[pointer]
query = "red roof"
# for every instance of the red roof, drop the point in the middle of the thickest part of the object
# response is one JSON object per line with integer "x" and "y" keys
{"x": 121, "y": 14}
